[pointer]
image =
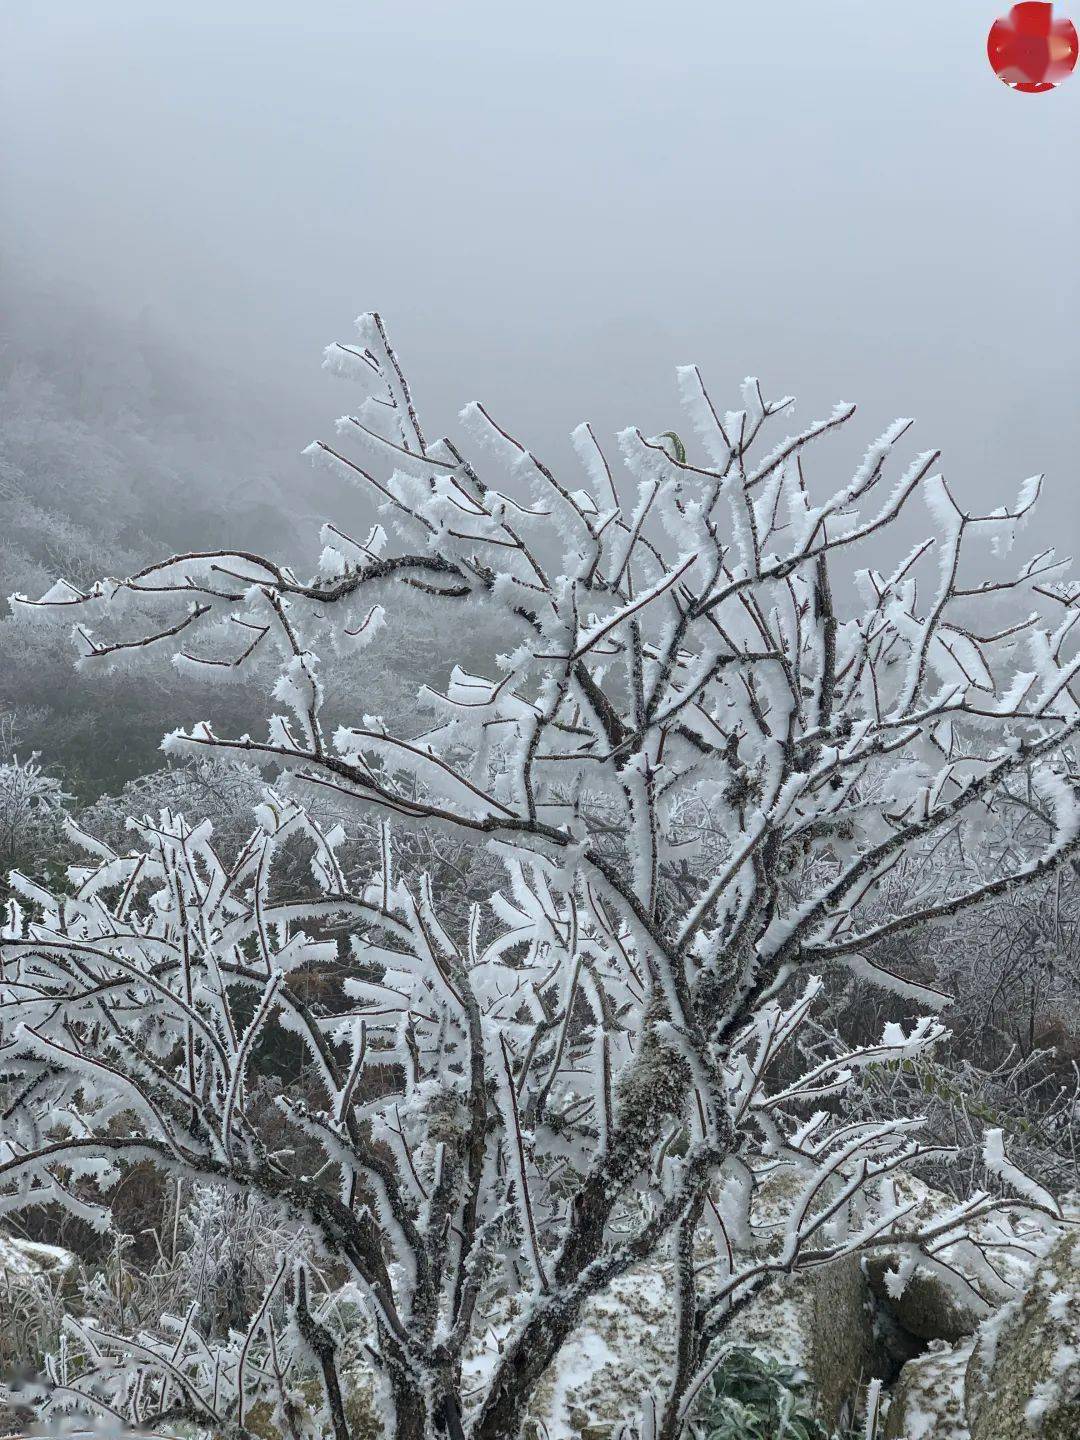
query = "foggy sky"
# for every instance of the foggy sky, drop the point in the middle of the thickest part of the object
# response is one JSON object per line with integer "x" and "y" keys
{"x": 553, "y": 205}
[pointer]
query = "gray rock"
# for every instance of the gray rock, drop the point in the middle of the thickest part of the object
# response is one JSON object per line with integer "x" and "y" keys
{"x": 820, "y": 1322}
{"x": 1023, "y": 1378}
{"x": 938, "y": 1305}
{"x": 927, "y": 1309}
{"x": 927, "y": 1402}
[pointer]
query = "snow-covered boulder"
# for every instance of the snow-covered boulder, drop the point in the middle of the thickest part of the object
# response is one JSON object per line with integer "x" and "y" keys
{"x": 928, "y": 1309}
{"x": 927, "y": 1401}
{"x": 820, "y": 1322}
{"x": 824, "y": 1323}
{"x": 621, "y": 1351}
{"x": 1010, "y": 1378}
{"x": 949, "y": 1300}
{"x": 1023, "y": 1378}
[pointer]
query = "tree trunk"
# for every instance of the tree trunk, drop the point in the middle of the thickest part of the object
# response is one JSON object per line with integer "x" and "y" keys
{"x": 410, "y": 1412}
{"x": 651, "y": 1094}
{"x": 521, "y": 1371}
{"x": 688, "y": 1350}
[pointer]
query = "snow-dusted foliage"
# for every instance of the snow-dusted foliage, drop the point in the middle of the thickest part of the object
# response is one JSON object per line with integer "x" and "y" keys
{"x": 32, "y": 807}
{"x": 697, "y": 758}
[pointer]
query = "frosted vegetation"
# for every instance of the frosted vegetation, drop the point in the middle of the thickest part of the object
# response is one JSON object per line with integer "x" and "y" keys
{"x": 572, "y": 875}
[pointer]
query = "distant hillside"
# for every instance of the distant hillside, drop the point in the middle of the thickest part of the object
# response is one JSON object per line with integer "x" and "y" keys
{"x": 117, "y": 448}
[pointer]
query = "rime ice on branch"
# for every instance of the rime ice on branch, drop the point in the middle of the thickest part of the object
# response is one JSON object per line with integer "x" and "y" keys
{"x": 697, "y": 761}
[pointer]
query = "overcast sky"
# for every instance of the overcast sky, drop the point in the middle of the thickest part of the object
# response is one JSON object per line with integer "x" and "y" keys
{"x": 555, "y": 204}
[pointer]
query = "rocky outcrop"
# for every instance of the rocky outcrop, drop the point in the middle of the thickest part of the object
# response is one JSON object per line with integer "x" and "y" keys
{"x": 948, "y": 1302}
{"x": 928, "y": 1309}
{"x": 621, "y": 1351}
{"x": 927, "y": 1402}
{"x": 1018, "y": 1377}
{"x": 1023, "y": 1378}
{"x": 1020, "y": 1372}
{"x": 820, "y": 1322}
{"x": 827, "y": 1323}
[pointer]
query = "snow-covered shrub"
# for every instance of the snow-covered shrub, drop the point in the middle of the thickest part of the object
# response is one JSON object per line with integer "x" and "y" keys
{"x": 32, "y": 808}
{"x": 677, "y": 758}
{"x": 1013, "y": 964}
{"x": 222, "y": 791}
{"x": 956, "y": 1101}
{"x": 232, "y": 1245}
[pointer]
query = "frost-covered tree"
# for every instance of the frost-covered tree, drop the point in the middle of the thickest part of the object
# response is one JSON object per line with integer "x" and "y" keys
{"x": 708, "y": 740}
{"x": 32, "y": 805}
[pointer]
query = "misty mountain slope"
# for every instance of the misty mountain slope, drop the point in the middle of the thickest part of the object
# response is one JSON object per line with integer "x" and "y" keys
{"x": 111, "y": 435}
{"x": 116, "y": 448}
